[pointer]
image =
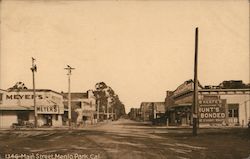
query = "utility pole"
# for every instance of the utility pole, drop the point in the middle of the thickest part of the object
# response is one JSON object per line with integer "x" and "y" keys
{"x": 107, "y": 112}
{"x": 69, "y": 94}
{"x": 34, "y": 69}
{"x": 98, "y": 107}
{"x": 112, "y": 113}
{"x": 245, "y": 104}
{"x": 195, "y": 95}
{"x": 115, "y": 114}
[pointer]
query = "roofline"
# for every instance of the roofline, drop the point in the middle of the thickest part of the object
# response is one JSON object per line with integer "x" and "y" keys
{"x": 211, "y": 90}
{"x": 3, "y": 90}
{"x": 74, "y": 92}
{"x": 31, "y": 90}
{"x": 153, "y": 102}
{"x": 223, "y": 90}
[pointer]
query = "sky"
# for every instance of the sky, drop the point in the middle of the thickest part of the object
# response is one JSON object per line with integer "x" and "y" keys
{"x": 141, "y": 49}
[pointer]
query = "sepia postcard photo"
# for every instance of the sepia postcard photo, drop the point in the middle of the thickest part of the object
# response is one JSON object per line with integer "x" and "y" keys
{"x": 124, "y": 79}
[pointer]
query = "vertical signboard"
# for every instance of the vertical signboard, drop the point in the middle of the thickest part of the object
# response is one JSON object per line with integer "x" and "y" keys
{"x": 212, "y": 110}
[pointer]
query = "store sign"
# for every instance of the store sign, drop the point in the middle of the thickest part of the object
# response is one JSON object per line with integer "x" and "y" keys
{"x": 26, "y": 96}
{"x": 48, "y": 109}
{"x": 46, "y": 102}
{"x": 212, "y": 110}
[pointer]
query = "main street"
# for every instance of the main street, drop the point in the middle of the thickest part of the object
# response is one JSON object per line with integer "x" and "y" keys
{"x": 126, "y": 139}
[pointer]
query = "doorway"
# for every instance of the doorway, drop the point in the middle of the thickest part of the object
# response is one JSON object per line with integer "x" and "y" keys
{"x": 48, "y": 120}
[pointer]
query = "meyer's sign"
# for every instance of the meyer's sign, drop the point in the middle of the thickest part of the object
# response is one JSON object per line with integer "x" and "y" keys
{"x": 51, "y": 109}
{"x": 26, "y": 96}
{"x": 212, "y": 110}
{"x": 46, "y": 102}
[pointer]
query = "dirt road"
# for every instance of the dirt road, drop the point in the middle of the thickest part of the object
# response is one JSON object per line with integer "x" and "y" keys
{"x": 126, "y": 139}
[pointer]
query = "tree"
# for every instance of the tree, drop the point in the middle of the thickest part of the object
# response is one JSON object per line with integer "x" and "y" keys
{"x": 108, "y": 99}
{"x": 18, "y": 85}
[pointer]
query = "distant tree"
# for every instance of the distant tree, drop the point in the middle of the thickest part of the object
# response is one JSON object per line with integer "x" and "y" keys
{"x": 101, "y": 95}
{"x": 18, "y": 85}
{"x": 108, "y": 99}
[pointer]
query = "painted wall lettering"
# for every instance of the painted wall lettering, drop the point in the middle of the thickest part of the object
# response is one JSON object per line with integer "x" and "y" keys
{"x": 212, "y": 110}
{"x": 23, "y": 97}
{"x": 47, "y": 109}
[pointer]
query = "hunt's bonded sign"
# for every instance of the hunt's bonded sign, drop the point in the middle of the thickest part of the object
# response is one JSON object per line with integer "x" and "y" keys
{"x": 212, "y": 109}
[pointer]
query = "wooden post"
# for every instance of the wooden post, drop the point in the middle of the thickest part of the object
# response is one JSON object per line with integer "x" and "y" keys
{"x": 69, "y": 101}
{"x": 33, "y": 69}
{"x": 69, "y": 93}
{"x": 98, "y": 108}
{"x": 195, "y": 95}
{"x": 245, "y": 104}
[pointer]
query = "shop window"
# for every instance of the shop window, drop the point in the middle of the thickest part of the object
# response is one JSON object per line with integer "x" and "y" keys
{"x": 76, "y": 105}
{"x": 236, "y": 113}
{"x": 1, "y": 97}
{"x": 230, "y": 113}
{"x": 233, "y": 110}
{"x": 23, "y": 115}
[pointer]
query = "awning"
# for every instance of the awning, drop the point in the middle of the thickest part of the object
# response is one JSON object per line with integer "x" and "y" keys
{"x": 179, "y": 107}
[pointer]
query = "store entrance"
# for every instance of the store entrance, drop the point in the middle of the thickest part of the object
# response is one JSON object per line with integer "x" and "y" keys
{"x": 48, "y": 120}
{"x": 180, "y": 115}
{"x": 233, "y": 114}
{"x": 22, "y": 116}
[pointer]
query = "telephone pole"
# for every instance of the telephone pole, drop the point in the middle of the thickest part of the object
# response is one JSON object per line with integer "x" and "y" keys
{"x": 34, "y": 69}
{"x": 98, "y": 108}
{"x": 195, "y": 95}
{"x": 69, "y": 94}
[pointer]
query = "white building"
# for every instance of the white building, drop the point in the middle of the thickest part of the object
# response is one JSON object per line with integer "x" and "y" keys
{"x": 83, "y": 107}
{"x": 18, "y": 106}
{"x": 217, "y": 106}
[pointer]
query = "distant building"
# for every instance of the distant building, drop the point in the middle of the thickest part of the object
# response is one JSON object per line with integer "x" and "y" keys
{"x": 158, "y": 109}
{"x": 220, "y": 105}
{"x": 146, "y": 111}
{"x": 83, "y": 106}
{"x": 152, "y": 110}
{"x": 17, "y": 106}
{"x": 159, "y": 113}
{"x": 135, "y": 114}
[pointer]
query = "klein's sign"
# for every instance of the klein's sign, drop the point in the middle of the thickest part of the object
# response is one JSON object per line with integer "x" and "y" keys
{"x": 49, "y": 109}
{"x": 212, "y": 110}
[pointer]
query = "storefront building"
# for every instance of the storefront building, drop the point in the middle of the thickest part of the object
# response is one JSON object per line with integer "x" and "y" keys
{"x": 217, "y": 106}
{"x": 83, "y": 107}
{"x": 147, "y": 111}
{"x": 135, "y": 114}
{"x": 17, "y": 106}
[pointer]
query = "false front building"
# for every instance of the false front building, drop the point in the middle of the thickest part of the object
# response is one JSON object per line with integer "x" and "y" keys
{"x": 135, "y": 114}
{"x": 217, "y": 106}
{"x": 83, "y": 107}
{"x": 17, "y": 106}
{"x": 149, "y": 111}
